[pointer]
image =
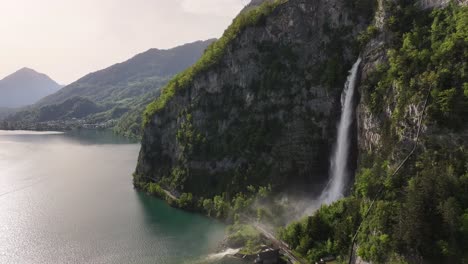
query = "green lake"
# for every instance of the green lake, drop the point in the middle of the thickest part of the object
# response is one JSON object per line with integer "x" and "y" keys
{"x": 68, "y": 198}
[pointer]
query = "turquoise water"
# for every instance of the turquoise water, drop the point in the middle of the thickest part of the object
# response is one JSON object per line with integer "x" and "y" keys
{"x": 68, "y": 198}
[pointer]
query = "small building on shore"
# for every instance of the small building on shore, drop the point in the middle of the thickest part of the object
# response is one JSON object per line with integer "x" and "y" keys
{"x": 268, "y": 256}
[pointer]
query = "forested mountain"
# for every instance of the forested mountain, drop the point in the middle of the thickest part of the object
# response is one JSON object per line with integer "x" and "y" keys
{"x": 133, "y": 77}
{"x": 246, "y": 132}
{"x": 25, "y": 87}
{"x": 108, "y": 94}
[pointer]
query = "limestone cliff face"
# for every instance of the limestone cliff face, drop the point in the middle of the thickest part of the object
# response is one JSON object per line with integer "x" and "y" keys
{"x": 266, "y": 113}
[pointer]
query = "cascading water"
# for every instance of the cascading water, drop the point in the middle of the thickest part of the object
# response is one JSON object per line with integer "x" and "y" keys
{"x": 339, "y": 160}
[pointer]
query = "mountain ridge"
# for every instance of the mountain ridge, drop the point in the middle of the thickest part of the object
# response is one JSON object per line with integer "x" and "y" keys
{"x": 135, "y": 65}
{"x": 115, "y": 94}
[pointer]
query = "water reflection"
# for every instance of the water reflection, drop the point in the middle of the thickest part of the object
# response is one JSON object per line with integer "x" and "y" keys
{"x": 78, "y": 136}
{"x": 69, "y": 199}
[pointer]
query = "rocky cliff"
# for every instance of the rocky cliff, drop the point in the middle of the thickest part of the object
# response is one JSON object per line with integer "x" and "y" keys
{"x": 266, "y": 111}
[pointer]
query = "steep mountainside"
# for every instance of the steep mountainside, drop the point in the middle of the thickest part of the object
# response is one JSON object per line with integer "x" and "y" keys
{"x": 261, "y": 105}
{"x": 118, "y": 90}
{"x": 257, "y": 115}
{"x": 25, "y": 87}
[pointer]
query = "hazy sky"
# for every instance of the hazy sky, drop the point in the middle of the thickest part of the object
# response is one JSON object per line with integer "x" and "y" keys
{"x": 67, "y": 39}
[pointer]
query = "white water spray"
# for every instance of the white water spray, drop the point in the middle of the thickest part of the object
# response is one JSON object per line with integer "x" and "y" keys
{"x": 225, "y": 253}
{"x": 339, "y": 160}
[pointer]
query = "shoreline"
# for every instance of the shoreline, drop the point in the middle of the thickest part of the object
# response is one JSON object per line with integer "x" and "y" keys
{"x": 275, "y": 244}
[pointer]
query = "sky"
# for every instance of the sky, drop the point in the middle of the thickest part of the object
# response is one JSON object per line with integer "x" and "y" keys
{"x": 66, "y": 39}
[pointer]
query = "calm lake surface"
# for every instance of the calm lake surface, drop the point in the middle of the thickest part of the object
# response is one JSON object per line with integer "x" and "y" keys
{"x": 68, "y": 198}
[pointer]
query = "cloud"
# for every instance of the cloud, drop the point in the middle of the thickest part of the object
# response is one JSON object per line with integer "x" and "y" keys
{"x": 225, "y": 8}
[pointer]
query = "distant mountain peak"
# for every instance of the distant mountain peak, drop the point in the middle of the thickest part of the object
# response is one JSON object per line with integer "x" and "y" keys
{"x": 25, "y": 86}
{"x": 26, "y": 69}
{"x": 28, "y": 73}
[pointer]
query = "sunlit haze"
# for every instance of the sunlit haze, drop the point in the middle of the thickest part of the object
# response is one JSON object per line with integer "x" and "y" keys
{"x": 67, "y": 39}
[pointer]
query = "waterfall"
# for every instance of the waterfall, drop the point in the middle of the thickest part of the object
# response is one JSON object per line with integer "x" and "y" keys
{"x": 340, "y": 156}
